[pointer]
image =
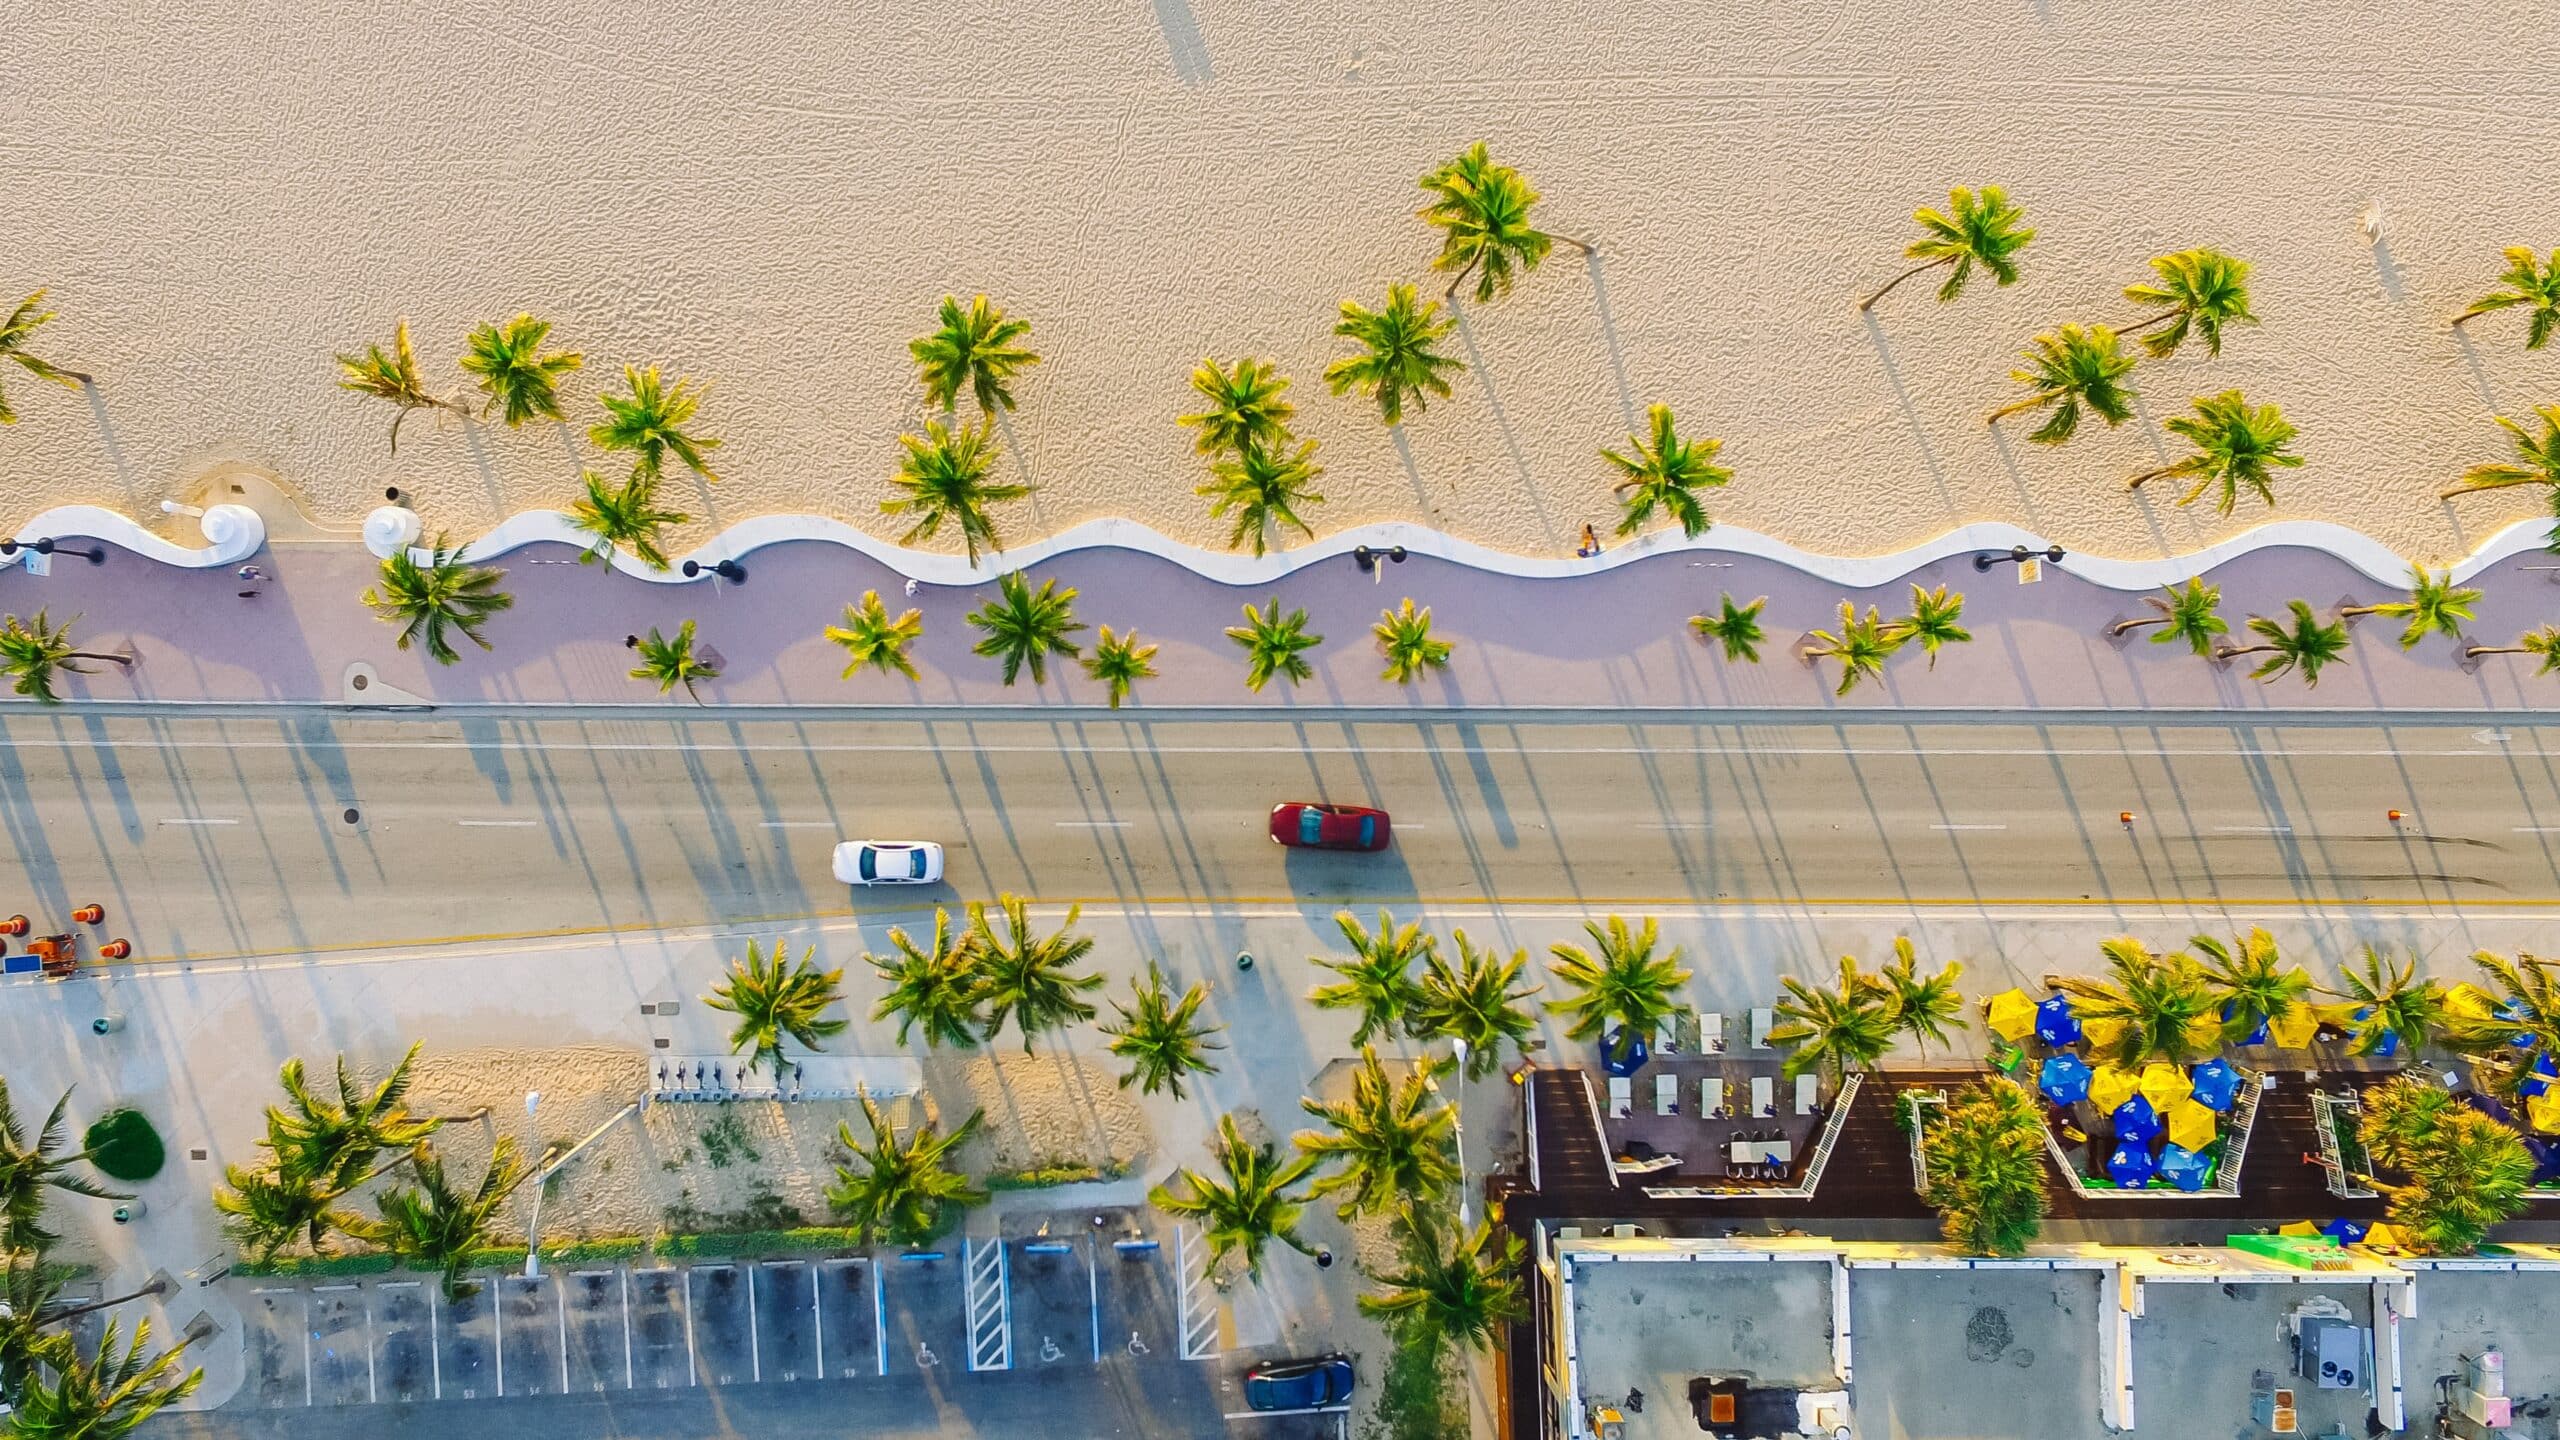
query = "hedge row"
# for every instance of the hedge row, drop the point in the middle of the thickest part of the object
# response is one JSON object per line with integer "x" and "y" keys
{"x": 602, "y": 1250}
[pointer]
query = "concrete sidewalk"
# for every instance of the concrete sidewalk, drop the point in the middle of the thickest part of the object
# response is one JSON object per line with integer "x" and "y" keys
{"x": 1617, "y": 638}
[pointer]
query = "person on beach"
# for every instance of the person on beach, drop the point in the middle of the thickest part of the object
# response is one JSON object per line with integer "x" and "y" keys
{"x": 1590, "y": 543}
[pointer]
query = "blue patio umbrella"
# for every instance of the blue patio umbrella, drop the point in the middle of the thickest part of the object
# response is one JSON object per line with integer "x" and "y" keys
{"x": 2216, "y": 1082}
{"x": 2386, "y": 1044}
{"x": 1623, "y": 1052}
{"x": 2345, "y": 1232}
{"x": 2055, "y": 1024}
{"x": 2131, "y": 1165}
{"x": 2183, "y": 1167}
{"x": 2546, "y": 1159}
{"x": 2064, "y": 1079}
{"x": 2539, "y": 1078}
{"x": 2136, "y": 1123}
{"x": 2257, "y": 1034}
{"x": 2491, "y": 1106}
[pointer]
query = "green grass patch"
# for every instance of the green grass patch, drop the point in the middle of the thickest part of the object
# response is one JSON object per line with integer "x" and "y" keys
{"x": 725, "y": 1142}
{"x": 368, "y": 1262}
{"x": 123, "y": 1146}
{"x": 601, "y": 1250}
{"x": 1041, "y": 1177}
{"x": 736, "y": 1244}
{"x": 1419, "y": 1397}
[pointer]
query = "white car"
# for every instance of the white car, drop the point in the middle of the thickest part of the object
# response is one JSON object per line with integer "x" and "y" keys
{"x": 888, "y": 862}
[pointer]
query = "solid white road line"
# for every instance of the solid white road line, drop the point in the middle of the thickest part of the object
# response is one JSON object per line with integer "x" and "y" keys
{"x": 1968, "y": 827}
{"x": 183, "y": 820}
{"x": 2253, "y": 829}
{"x": 797, "y": 824}
{"x": 498, "y": 824}
{"x": 1095, "y": 824}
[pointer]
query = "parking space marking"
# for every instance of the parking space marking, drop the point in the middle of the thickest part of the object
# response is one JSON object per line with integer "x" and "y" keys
{"x": 435, "y": 1352}
{"x": 630, "y": 1377}
{"x": 1199, "y": 1309}
{"x": 560, "y": 1307}
{"x": 879, "y": 1319}
{"x": 755, "y": 1345}
{"x": 692, "y": 1368}
{"x": 990, "y": 1304}
{"x": 1093, "y": 1302}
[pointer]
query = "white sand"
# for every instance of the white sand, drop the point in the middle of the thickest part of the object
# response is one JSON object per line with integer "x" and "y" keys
{"x": 773, "y": 201}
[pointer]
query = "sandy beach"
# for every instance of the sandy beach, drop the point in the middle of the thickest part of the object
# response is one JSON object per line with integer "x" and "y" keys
{"x": 773, "y": 201}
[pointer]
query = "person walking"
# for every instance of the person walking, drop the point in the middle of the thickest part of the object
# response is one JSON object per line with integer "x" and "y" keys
{"x": 250, "y": 575}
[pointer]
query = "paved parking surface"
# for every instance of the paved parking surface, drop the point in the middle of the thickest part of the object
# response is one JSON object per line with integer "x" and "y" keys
{"x": 599, "y": 1332}
{"x": 849, "y": 1319}
{"x": 786, "y": 1316}
{"x": 724, "y": 1344}
{"x": 661, "y": 1354}
{"x": 1054, "y": 1296}
{"x": 403, "y": 1341}
{"x": 467, "y": 1345}
{"x": 923, "y": 1311}
{"x": 1140, "y": 1311}
{"x": 530, "y": 1357}
{"x": 341, "y": 1350}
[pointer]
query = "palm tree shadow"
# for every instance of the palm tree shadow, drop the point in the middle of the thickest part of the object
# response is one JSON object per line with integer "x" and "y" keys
{"x": 2141, "y": 498}
{"x": 2387, "y": 270}
{"x": 1022, "y": 463}
{"x": 1412, "y": 472}
{"x": 1502, "y": 421}
{"x": 488, "y": 471}
{"x": 115, "y": 449}
{"x": 2479, "y": 373}
{"x": 1609, "y": 333}
{"x": 1910, "y": 413}
{"x": 2017, "y": 478}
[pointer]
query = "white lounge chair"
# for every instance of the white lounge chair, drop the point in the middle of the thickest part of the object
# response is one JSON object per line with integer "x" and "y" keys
{"x": 1666, "y": 1094}
{"x": 1764, "y": 1096}
{"x": 1711, "y": 1032}
{"x": 1622, "y": 1097}
{"x": 1666, "y": 1035}
{"x": 1763, "y": 1021}
{"x": 1806, "y": 1094}
{"x": 1711, "y": 1098}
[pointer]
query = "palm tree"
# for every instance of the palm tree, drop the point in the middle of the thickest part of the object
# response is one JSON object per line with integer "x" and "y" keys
{"x": 1619, "y": 982}
{"x": 2524, "y": 1026}
{"x": 2386, "y": 1008}
{"x": 23, "y": 322}
{"x": 1482, "y": 211}
{"x": 2067, "y": 369}
{"x": 1861, "y": 646}
{"x": 650, "y": 422}
{"x": 944, "y": 478}
{"x": 1463, "y": 1287}
{"x": 1736, "y": 628}
{"x": 938, "y": 988}
{"x": 2250, "y": 983}
{"x": 671, "y": 663}
{"x": 1922, "y": 1007}
{"x": 1263, "y": 486}
{"x": 437, "y": 600}
{"x": 1120, "y": 662}
{"x": 1024, "y": 627}
{"x": 2543, "y": 641}
{"x": 1985, "y": 1166}
{"x": 1977, "y": 229}
{"x": 33, "y": 652}
{"x": 871, "y": 636}
{"x": 1833, "y": 1029}
{"x": 772, "y": 1000}
{"x": 393, "y": 376}
{"x": 333, "y": 1141}
{"x": 30, "y": 1307}
{"x": 904, "y": 1194}
{"x": 2435, "y": 606}
{"x": 973, "y": 349}
{"x": 2306, "y": 645}
{"x": 1029, "y": 977}
{"x": 1404, "y": 637}
{"x": 1399, "y": 360}
{"x": 1933, "y": 621}
{"x": 626, "y": 516}
{"x": 1473, "y": 1003}
{"x": 2158, "y": 1005}
{"x": 106, "y": 1398}
{"x": 436, "y": 1225}
{"x": 2465, "y": 1174}
{"x": 266, "y": 1212}
{"x": 2400, "y": 1115}
{"x": 514, "y": 373}
{"x": 2186, "y": 617}
{"x": 2200, "y": 290}
{"x": 1393, "y": 1141}
{"x": 1163, "y": 1038}
{"x": 28, "y": 1171}
{"x": 1250, "y": 1204}
{"x": 2235, "y": 449}
{"x": 2529, "y": 283}
{"x": 1378, "y": 979}
{"x": 1245, "y": 406}
{"x": 1274, "y": 644}
{"x": 2540, "y": 455}
{"x": 1666, "y": 473}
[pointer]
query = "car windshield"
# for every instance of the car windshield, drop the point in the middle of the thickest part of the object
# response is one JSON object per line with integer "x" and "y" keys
{"x": 866, "y": 863}
{"x": 1310, "y": 827}
{"x": 915, "y": 864}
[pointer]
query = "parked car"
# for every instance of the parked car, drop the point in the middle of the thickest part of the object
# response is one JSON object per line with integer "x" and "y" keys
{"x": 1306, "y": 825}
{"x": 1309, "y": 1384}
{"x": 888, "y": 862}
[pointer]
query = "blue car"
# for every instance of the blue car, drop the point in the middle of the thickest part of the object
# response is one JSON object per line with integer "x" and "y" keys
{"x": 1299, "y": 1384}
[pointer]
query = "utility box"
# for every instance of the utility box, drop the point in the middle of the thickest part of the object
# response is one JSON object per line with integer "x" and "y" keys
{"x": 2480, "y": 1396}
{"x": 2331, "y": 1353}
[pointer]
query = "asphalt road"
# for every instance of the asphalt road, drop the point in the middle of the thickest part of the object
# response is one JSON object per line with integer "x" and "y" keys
{"x": 225, "y": 836}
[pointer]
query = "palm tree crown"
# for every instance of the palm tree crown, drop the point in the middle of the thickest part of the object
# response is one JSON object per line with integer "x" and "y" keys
{"x": 1029, "y": 977}
{"x": 437, "y": 600}
{"x": 1472, "y": 1003}
{"x": 1378, "y": 979}
{"x": 937, "y": 987}
{"x": 1274, "y": 644}
{"x": 2539, "y": 456}
{"x": 2068, "y": 369}
{"x": 1251, "y": 1202}
{"x": 1399, "y": 360}
{"x": 1404, "y": 637}
{"x": 434, "y": 1224}
{"x": 1263, "y": 486}
{"x": 1735, "y": 627}
{"x": 1463, "y": 1287}
{"x": 1619, "y": 981}
{"x": 265, "y": 1212}
{"x": 944, "y": 479}
{"x": 671, "y": 662}
{"x": 1023, "y": 627}
{"x": 1161, "y": 1036}
{"x": 1977, "y": 228}
{"x": 2386, "y": 1006}
{"x": 333, "y": 1141}
{"x": 513, "y": 372}
{"x": 1120, "y": 662}
{"x": 2530, "y": 283}
{"x": 2306, "y": 644}
{"x": 625, "y": 516}
{"x": 28, "y": 1171}
{"x": 1923, "y": 1007}
{"x": 2158, "y": 1005}
{"x": 650, "y": 420}
{"x": 904, "y": 1194}
{"x": 106, "y": 1398}
{"x": 2236, "y": 447}
{"x": 2187, "y": 616}
{"x": 871, "y": 636}
{"x": 774, "y": 998}
{"x": 1986, "y": 1168}
{"x": 1246, "y": 407}
{"x": 1393, "y": 1140}
{"x": 23, "y": 322}
{"x": 2200, "y": 290}
{"x": 1861, "y": 646}
{"x": 33, "y": 651}
{"x": 1482, "y": 211}
{"x": 1834, "y": 1029}
{"x": 972, "y": 349}
{"x": 1664, "y": 472}
{"x": 391, "y": 376}
{"x": 2436, "y": 606}
{"x": 2250, "y": 982}
{"x": 2542, "y": 641}
{"x": 1933, "y": 621}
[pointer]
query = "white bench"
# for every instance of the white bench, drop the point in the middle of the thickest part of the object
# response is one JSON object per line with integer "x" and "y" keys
{"x": 1622, "y": 1097}
{"x": 1763, "y": 1021}
{"x": 1666, "y": 1094}
{"x": 1711, "y": 1032}
{"x": 1711, "y": 1098}
{"x": 1807, "y": 1093}
{"x": 1764, "y": 1096}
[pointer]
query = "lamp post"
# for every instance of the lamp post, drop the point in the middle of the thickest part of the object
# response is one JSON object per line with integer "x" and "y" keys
{"x": 1367, "y": 558}
{"x": 1458, "y": 1126}
{"x": 2018, "y": 555}
{"x": 729, "y": 570}
{"x": 48, "y": 546}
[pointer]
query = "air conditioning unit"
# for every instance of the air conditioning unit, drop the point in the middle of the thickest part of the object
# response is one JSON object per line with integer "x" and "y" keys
{"x": 2481, "y": 1397}
{"x": 2331, "y": 1353}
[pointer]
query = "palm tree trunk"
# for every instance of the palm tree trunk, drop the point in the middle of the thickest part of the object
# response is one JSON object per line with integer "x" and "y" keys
{"x": 124, "y": 660}
{"x": 1869, "y": 302}
{"x": 2233, "y": 652}
{"x": 2138, "y": 326}
{"x": 2031, "y": 402}
{"x": 1457, "y": 280}
{"x": 2474, "y": 652}
{"x": 2350, "y": 612}
{"x": 2127, "y": 627}
{"x": 1585, "y": 246}
{"x": 2137, "y": 481}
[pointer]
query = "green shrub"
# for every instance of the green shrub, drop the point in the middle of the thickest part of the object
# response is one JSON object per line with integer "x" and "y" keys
{"x": 123, "y": 1145}
{"x": 733, "y": 1244}
{"x": 603, "y": 1249}
{"x": 366, "y": 1262}
{"x": 1041, "y": 1177}
{"x": 495, "y": 1257}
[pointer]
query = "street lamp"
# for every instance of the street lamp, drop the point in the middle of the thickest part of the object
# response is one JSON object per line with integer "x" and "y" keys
{"x": 2018, "y": 555}
{"x": 1367, "y": 558}
{"x": 1457, "y": 1125}
{"x": 48, "y": 546}
{"x": 729, "y": 570}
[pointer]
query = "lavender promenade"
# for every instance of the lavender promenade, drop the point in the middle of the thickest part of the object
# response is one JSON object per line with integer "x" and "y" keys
{"x": 1613, "y": 638}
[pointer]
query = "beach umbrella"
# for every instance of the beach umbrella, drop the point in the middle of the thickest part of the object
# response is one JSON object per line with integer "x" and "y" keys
{"x": 2064, "y": 1079}
{"x": 2257, "y": 1035}
{"x": 2011, "y": 1015}
{"x": 2299, "y": 1229}
{"x": 2136, "y": 1123}
{"x": 2539, "y": 1078}
{"x": 2130, "y": 1166}
{"x": 2183, "y": 1167}
{"x": 2215, "y": 1083}
{"x": 2192, "y": 1125}
{"x": 2164, "y": 1085}
{"x": 2542, "y": 1112}
{"x": 2111, "y": 1086}
{"x": 2386, "y": 1044}
{"x": 2384, "y": 1235}
{"x": 2466, "y": 1001}
{"x": 2102, "y": 1035}
{"x": 2345, "y": 1232}
{"x": 2293, "y": 1029}
{"x": 2546, "y": 1159}
{"x": 2055, "y": 1024}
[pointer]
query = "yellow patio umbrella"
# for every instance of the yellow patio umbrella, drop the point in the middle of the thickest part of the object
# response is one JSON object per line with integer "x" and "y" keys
{"x": 2111, "y": 1086}
{"x": 2293, "y": 1029}
{"x": 2302, "y": 1228}
{"x": 2011, "y": 1015}
{"x": 2466, "y": 1001}
{"x": 2102, "y": 1035}
{"x": 2383, "y": 1235}
{"x": 2191, "y": 1124}
{"x": 2204, "y": 1032}
{"x": 2542, "y": 1112}
{"x": 2164, "y": 1085}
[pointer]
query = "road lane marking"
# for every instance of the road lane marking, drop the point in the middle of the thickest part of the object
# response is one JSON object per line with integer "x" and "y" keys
{"x": 1101, "y": 824}
{"x": 2537, "y": 829}
{"x": 498, "y": 824}
{"x": 2253, "y": 829}
{"x": 1968, "y": 827}
{"x": 798, "y": 824}
{"x": 181, "y": 820}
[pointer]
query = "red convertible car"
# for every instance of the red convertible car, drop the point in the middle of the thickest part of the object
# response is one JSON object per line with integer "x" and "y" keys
{"x": 1305, "y": 825}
